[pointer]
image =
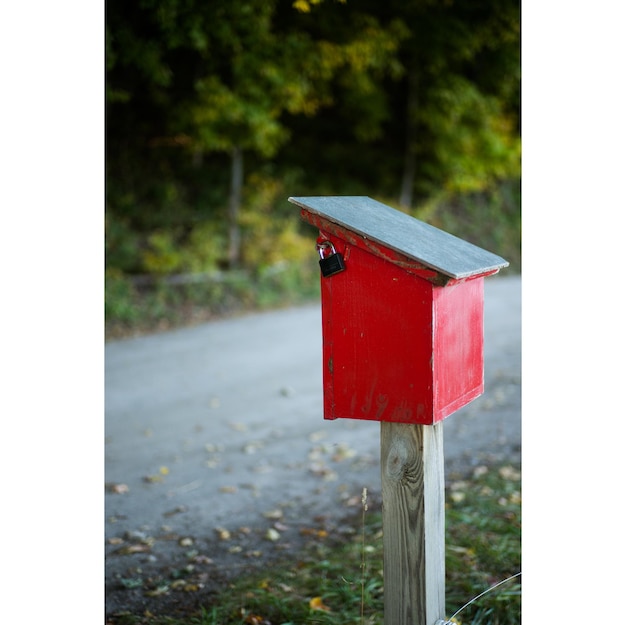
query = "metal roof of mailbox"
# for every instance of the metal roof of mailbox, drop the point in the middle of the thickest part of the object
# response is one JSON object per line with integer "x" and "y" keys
{"x": 398, "y": 231}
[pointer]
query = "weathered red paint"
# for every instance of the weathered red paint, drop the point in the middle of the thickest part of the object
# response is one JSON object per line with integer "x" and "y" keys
{"x": 401, "y": 342}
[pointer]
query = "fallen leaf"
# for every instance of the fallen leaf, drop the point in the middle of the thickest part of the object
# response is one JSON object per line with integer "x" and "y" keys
{"x": 272, "y": 534}
{"x": 459, "y": 485}
{"x": 509, "y": 473}
{"x": 305, "y": 531}
{"x": 480, "y": 471}
{"x": 253, "y": 447}
{"x": 116, "y": 541}
{"x": 179, "y": 583}
{"x": 222, "y": 533}
{"x": 273, "y": 514}
{"x": 164, "y": 470}
{"x": 153, "y": 478}
{"x": 185, "y": 542}
{"x": 317, "y": 604}
{"x": 228, "y": 489}
{"x": 137, "y": 535}
{"x": 343, "y": 452}
{"x": 160, "y": 590}
{"x": 214, "y": 402}
{"x": 117, "y": 488}
{"x": 130, "y": 549}
{"x": 318, "y": 468}
{"x": 131, "y": 582}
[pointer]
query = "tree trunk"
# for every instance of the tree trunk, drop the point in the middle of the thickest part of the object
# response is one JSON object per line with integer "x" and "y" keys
{"x": 408, "y": 174}
{"x": 234, "y": 204}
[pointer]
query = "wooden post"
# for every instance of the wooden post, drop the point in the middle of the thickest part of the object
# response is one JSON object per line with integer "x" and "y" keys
{"x": 413, "y": 523}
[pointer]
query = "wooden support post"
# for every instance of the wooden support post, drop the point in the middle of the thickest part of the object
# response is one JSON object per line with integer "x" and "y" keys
{"x": 413, "y": 523}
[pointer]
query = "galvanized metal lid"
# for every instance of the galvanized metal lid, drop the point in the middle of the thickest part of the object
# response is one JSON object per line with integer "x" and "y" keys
{"x": 402, "y": 233}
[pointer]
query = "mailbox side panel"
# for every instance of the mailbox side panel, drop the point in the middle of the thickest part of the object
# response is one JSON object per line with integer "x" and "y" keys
{"x": 458, "y": 346}
{"x": 377, "y": 341}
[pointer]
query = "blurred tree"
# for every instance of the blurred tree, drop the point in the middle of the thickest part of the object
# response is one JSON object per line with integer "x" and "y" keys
{"x": 414, "y": 95}
{"x": 220, "y": 76}
{"x": 442, "y": 114}
{"x": 460, "y": 93}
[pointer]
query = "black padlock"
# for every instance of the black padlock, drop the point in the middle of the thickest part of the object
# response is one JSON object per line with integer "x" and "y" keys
{"x": 331, "y": 264}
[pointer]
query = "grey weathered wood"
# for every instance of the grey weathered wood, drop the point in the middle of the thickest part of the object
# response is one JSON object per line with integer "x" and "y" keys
{"x": 398, "y": 231}
{"x": 413, "y": 523}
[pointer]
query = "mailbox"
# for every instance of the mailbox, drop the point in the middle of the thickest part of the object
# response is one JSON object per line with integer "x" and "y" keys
{"x": 402, "y": 312}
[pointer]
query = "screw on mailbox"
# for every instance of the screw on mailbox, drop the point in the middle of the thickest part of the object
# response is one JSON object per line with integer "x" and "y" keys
{"x": 331, "y": 264}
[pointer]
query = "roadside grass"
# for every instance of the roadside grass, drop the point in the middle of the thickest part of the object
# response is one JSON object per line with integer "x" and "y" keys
{"x": 341, "y": 583}
{"x": 132, "y": 309}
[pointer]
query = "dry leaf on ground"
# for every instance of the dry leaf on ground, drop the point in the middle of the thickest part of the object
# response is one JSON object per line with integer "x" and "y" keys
{"x": 317, "y": 604}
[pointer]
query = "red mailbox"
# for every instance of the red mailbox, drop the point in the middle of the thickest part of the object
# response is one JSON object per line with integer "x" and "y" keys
{"x": 402, "y": 312}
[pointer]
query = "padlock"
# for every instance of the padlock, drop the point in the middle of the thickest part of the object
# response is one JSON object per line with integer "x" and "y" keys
{"x": 331, "y": 264}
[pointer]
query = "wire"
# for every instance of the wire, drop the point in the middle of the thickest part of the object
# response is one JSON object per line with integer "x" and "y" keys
{"x": 449, "y": 622}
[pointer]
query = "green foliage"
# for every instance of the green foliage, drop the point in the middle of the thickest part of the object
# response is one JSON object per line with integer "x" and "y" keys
{"x": 490, "y": 219}
{"x": 325, "y": 97}
{"x": 483, "y": 546}
{"x": 473, "y": 140}
{"x": 197, "y": 251}
{"x": 204, "y": 248}
{"x": 121, "y": 246}
{"x": 161, "y": 255}
{"x": 271, "y": 236}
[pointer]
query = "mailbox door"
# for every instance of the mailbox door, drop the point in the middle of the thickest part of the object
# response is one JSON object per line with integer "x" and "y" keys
{"x": 377, "y": 341}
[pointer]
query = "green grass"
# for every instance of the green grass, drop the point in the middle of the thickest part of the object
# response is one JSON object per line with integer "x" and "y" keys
{"x": 341, "y": 582}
